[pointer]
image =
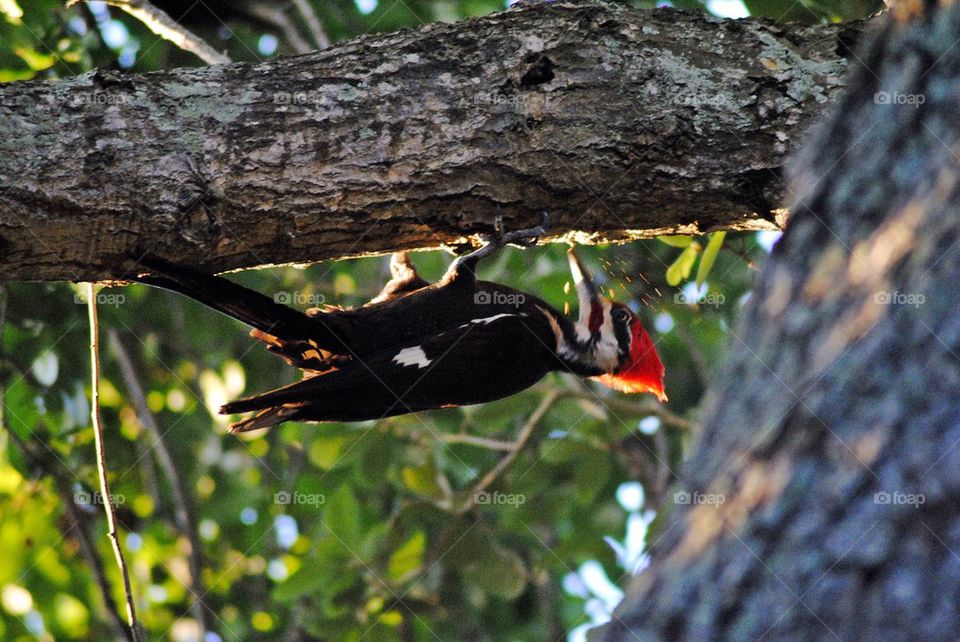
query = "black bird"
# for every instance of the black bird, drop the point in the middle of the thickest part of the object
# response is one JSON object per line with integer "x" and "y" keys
{"x": 420, "y": 346}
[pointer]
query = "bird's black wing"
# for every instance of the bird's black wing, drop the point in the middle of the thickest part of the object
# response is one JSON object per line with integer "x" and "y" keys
{"x": 482, "y": 360}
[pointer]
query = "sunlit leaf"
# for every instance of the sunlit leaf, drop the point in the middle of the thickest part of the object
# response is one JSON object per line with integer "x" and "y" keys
{"x": 680, "y": 269}
{"x": 45, "y": 368}
{"x": 34, "y": 59}
{"x": 313, "y": 573}
{"x": 408, "y": 557}
{"x": 11, "y": 75}
{"x": 676, "y": 241}
{"x": 325, "y": 451}
{"x": 72, "y": 614}
{"x": 709, "y": 256}
{"x": 11, "y": 10}
{"x": 422, "y": 480}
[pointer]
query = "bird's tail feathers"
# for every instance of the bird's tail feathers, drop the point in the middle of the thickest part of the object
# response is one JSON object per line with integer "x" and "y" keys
{"x": 268, "y": 316}
{"x": 312, "y": 388}
{"x": 267, "y": 418}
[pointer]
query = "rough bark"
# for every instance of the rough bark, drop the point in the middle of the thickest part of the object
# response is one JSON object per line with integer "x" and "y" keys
{"x": 834, "y": 432}
{"x": 621, "y": 123}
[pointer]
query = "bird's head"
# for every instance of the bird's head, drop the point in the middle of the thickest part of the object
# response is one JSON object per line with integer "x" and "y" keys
{"x": 610, "y": 337}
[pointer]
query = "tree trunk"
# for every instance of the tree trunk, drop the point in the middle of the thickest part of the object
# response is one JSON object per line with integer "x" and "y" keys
{"x": 621, "y": 123}
{"x": 823, "y": 501}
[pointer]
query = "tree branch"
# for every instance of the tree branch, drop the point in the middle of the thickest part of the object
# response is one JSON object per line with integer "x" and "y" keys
{"x": 622, "y": 123}
{"x": 310, "y": 19}
{"x": 167, "y": 28}
{"x": 481, "y": 486}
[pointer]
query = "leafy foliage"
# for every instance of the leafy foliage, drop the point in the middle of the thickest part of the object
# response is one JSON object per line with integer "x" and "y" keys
{"x": 335, "y": 529}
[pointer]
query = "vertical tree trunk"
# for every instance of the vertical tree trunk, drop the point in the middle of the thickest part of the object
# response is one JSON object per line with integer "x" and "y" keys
{"x": 833, "y": 434}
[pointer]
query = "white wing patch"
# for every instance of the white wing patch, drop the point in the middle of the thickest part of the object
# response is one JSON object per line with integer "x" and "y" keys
{"x": 486, "y": 320}
{"x": 414, "y": 356}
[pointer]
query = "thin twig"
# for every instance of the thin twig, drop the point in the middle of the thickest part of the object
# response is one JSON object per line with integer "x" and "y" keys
{"x": 276, "y": 17}
{"x": 102, "y": 460}
{"x": 454, "y": 438}
{"x": 662, "y": 479}
{"x": 183, "y": 507}
{"x": 641, "y": 407}
{"x": 320, "y": 36}
{"x": 95, "y": 562}
{"x": 479, "y": 442}
{"x": 3, "y": 311}
{"x": 167, "y": 28}
{"x": 700, "y": 362}
{"x": 503, "y": 464}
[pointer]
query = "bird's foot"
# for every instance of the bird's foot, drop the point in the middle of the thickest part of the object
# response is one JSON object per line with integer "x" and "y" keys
{"x": 521, "y": 238}
{"x": 495, "y": 241}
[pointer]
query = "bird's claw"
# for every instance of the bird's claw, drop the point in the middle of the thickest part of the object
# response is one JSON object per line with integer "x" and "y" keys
{"x": 522, "y": 238}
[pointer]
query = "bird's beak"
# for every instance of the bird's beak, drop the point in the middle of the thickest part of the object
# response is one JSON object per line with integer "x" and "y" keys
{"x": 588, "y": 298}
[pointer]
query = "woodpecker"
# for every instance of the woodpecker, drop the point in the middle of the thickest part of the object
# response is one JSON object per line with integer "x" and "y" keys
{"x": 419, "y": 346}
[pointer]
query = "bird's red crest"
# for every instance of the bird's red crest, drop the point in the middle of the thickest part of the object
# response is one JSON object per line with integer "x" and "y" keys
{"x": 643, "y": 370}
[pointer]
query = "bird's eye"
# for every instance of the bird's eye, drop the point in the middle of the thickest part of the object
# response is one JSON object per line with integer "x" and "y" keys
{"x": 621, "y": 315}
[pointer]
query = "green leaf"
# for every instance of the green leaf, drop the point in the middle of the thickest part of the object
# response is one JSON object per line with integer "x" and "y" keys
{"x": 802, "y": 12}
{"x": 681, "y": 268}
{"x": 311, "y": 575}
{"x": 320, "y": 574}
{"x": 408, "y": 557}
{"x": 422, "y": 480}
{"x": 591, "y": 476}
{"x": 500, "y": 573}
{"x": 325, "y": 451}
{"x": 16, "y": 458}
{"x": 709, "y": 256}
{"x": 343, "y": 514}
{"x": 10, "y": 75}
{"x": 676, "y": 241}
{"x": 558, "y": 451}
{"x": 21, "y": 414}
{"x": 34, "y": 59}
